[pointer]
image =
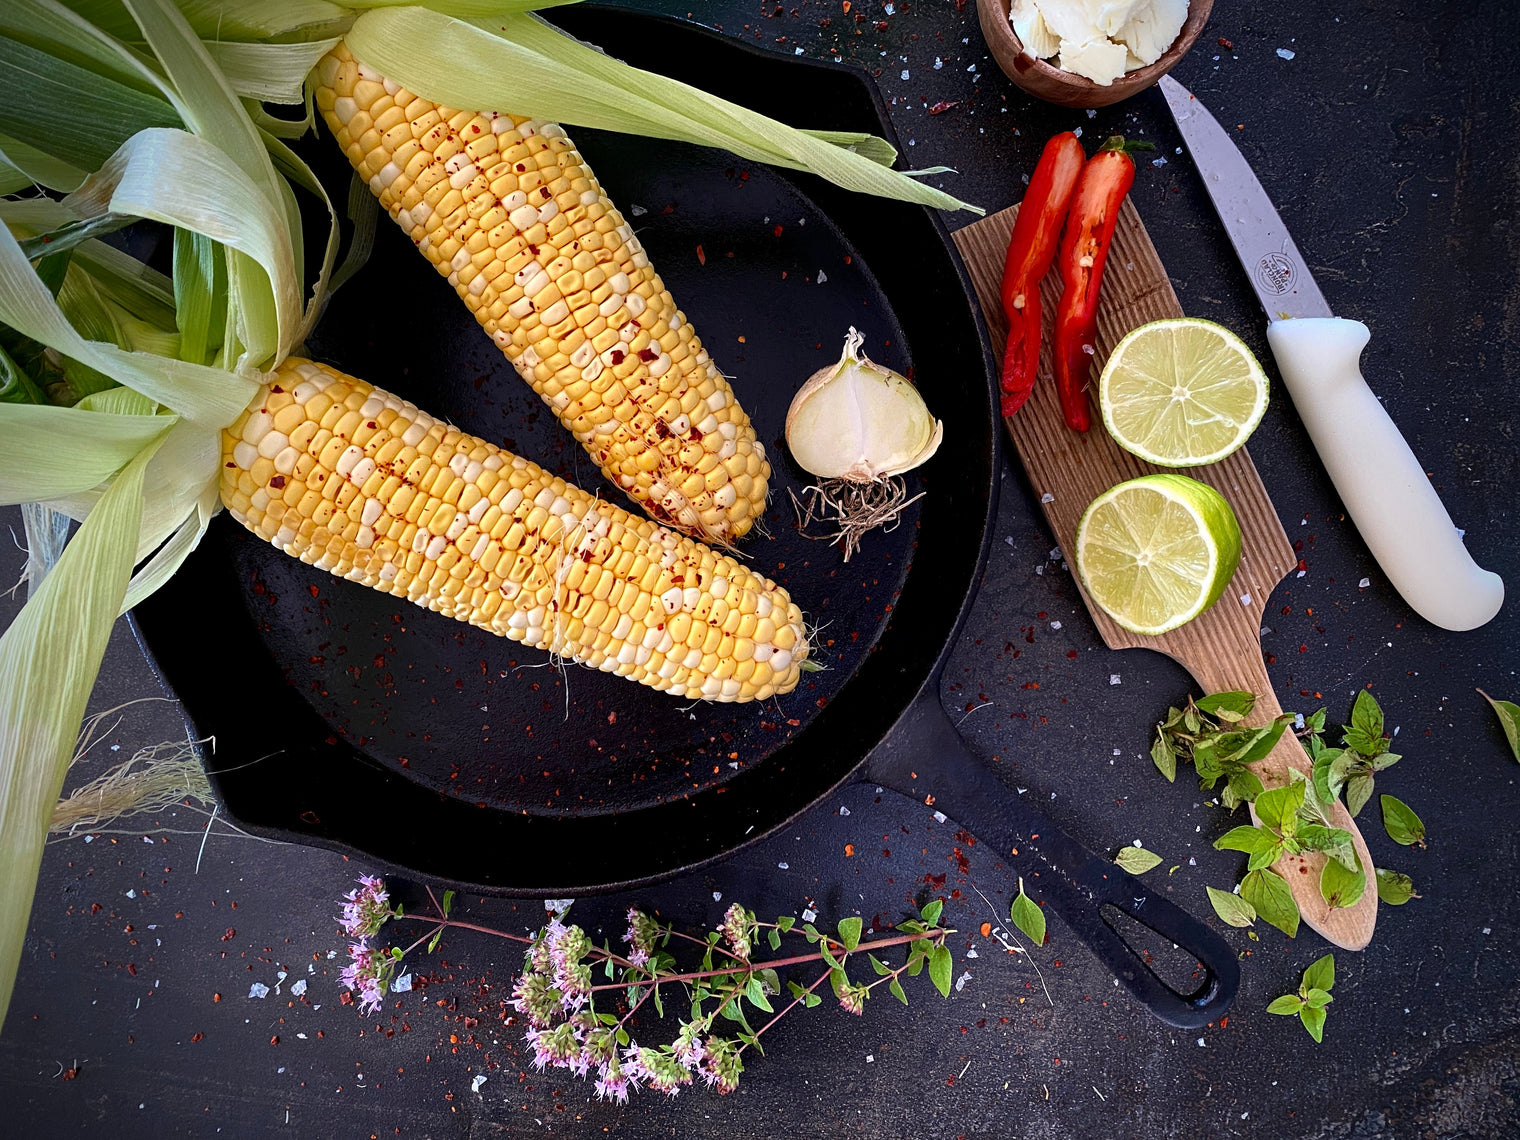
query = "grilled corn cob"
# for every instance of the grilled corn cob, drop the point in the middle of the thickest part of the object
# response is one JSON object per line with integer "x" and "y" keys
{"x": 505, "y": 208}
{"x": 360, "y": 483}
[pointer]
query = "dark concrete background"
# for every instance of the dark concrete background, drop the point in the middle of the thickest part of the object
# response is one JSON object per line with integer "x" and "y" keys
{"x": 1389, "y": 142}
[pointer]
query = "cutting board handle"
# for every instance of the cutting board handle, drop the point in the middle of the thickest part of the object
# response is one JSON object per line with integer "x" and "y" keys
{"x": 926, "y": 759}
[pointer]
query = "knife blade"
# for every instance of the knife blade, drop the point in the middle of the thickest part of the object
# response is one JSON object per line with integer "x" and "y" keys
{"x": 1385, "y": 489}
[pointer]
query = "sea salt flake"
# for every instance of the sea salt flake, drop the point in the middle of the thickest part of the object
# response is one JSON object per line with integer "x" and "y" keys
{"x": 1285, "y": 53}
{"x": 939, "y": 817}
{"x": 1047, "y": 497}
{"x": 638, "y": 211}
{"x": 972, "y": 953}
{"x": 1364, "y": 583}
{"x": 843, "y": 810}
{"x": 298, "y": 988}
{"x": 1055, "y": 625}
{"x": 131, "y": 894}
{"x": 822, "y": 277}
{"x": 258, "y": 990}
{"x": 938, "y": 63}
{"x": 1245, "y": 599}
{"x": 1113, "y": 679}
{"x": 784, "y": 866}
{"x": 905, "y": 73}
{"x": 809, "y": 914}
{"x": 960, "y": 982}
{"x": 480, "y": 1079}
{"x": 402, "y": 985}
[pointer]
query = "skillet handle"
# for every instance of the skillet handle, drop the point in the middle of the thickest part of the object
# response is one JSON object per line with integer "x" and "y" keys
{"x": 925, "y": 756}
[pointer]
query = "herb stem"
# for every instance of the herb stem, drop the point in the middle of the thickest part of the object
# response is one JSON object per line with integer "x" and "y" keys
{"x": 786, "y": 1009}
{"x": 796, "y": 959}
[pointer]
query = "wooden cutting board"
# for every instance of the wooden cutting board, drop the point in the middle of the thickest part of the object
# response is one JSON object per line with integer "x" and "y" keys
{"x": 1222, "y": 647}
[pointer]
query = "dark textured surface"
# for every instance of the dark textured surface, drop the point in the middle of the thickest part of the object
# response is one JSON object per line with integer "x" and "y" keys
{"x": 1389, "y": 145}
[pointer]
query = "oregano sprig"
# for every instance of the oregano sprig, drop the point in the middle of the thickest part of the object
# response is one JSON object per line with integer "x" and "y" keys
{"x": 1364, "y": 752}
{"x": 1312, "y": 997}
{"x": 1207, "y": 733}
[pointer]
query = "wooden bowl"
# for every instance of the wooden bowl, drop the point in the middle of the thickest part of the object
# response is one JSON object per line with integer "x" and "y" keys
{"x": 1048, "y": 82}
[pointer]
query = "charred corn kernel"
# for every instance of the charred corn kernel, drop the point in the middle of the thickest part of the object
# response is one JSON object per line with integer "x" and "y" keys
{"x": 555, "y": 568}
{"x": 505, "y": 208}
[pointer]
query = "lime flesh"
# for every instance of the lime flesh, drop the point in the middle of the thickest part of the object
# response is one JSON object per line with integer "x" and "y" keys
{"x": 1157, "y": 551}
{"x": 1182, "y": 393}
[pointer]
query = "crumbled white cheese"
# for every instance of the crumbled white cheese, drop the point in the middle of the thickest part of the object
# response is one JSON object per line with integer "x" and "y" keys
{"x": 1098, "y": 39}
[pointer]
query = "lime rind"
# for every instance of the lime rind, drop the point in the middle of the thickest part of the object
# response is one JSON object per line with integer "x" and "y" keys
{"x": 1157, "y": 551}
{"x": 1182, "y": 392}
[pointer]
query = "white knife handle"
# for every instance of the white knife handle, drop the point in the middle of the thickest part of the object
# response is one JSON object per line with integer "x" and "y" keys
{"x": 1382, "y": 484}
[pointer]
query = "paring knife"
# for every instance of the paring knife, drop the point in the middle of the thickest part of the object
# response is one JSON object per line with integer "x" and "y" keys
{"x": 1385, "y": 490}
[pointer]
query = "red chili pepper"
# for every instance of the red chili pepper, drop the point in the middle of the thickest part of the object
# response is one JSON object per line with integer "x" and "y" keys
{"x": 1030, "y": 252}
{"x": 1105, "y": 181}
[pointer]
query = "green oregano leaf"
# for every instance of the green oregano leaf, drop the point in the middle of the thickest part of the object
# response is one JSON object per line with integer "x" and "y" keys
{"x": 1320, "y": 975}
{"x": 1394, "y": 888}
{"x": 1339, "y": 886}
{"x": 895, "y": 988}
{"x": 1509, "y": 720}
{"x": 1137, "y": 860}
{"x": 1402, "y": 824}
{"x": 849, "y": 932}
{"x": 1231, "y": 907}
{"x": 1358, "y": 792}
{"x": 1287, "y": 1005}
{"x": 940, "y": 967}
{"x": 931, "y": 912}
{"x": 1028, "y": 917}
{"x": 1266, "y": 891}
{"x": 1278, "y": 807}
{"x": 1164, "y": 756}
{"x": 1236, "y": 703}
{"x": 1314, "y": 1021}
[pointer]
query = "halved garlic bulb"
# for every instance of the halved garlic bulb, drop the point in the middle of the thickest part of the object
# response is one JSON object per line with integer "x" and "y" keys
{"x": 858, "y": 421}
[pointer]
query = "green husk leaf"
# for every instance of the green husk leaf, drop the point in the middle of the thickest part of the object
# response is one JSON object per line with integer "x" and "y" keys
{"x": 48, "y": 660}
{"x": 1231, "y": 907}
{"x": 183, "y": 180}
{"x": 271, "y": 73}
{"x": 69, "y": 112}
{"x": 1137, "y": 860}
{"x": 50, "y": 452}
{"x": 196, "y": 392}
{"x": 1509, "y": 720}
{"x": 518, "y": 61}
{"x": 22, "y": 165}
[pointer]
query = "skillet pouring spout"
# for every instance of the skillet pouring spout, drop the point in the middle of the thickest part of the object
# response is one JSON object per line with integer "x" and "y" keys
{"x": 924, "y": 756}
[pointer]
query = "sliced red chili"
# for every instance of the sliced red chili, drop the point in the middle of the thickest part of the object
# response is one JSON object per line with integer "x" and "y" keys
{"x": 1105, "y": 181}
{"x": 1030, "y": 251}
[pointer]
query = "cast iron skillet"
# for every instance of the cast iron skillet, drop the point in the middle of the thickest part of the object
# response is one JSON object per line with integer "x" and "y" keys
{"x": 348, "y": 719}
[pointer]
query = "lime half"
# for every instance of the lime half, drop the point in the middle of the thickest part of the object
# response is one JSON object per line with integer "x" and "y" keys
{"x": 1181, "y": 393}
{"x": 1157, "y": 551}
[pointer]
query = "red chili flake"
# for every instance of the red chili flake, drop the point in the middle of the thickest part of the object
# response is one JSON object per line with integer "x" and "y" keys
{"x": 846, "y": 5}
{"x": 230, "y": 935}
{"x": 68, "y": 1074}
{"x": 274, "y": 1040}
{"x": 944, "y": 105}
{"x": 313, "y": 591}
{"x": 197, "y": 1037}
{"x": 618, "y": 356}
{"x": 648, "y": 354}
{"x": 277, "y": 481}
{"x": 776, "y": 231}
{"x": 849, "y": 850}
{"x": 1226, "y": 44}
{"x": 701, "y": 256}
{"x": 216, "y": 997}
{"x": 132, "y": 968}
{"x": 986, "y": 929}
{"x": 94, "y": 908}
{"x": 950, "y": 1081}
